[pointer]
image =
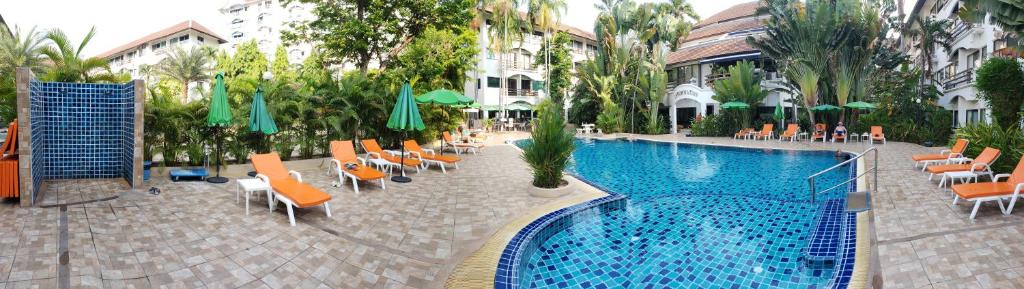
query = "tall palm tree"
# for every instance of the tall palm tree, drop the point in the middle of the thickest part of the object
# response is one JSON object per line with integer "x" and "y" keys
{"x": 186, "y": 66}
{"x": 505, "y": 29}
{"x": 66, "y": 62}
{"x": 19, "y": 49}
{"x": 545, "y": 14}
{"x": 934, "y": 33}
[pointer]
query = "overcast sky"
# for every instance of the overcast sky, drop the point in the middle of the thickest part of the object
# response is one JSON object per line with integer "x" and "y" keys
{"x": 120, "y": 21}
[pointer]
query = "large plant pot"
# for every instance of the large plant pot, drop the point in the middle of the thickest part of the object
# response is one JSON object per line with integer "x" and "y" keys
{"x": 564, "y": 188}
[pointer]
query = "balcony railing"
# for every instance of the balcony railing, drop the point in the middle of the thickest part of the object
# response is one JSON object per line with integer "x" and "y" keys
{"x": 960, "y": 29}
{"x": 522, "y": 92}
{"x": 959, "y": 79}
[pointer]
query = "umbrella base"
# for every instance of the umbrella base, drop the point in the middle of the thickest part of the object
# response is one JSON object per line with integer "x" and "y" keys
{"x": 217, "y": 180}
{"x": 401, "y": 179}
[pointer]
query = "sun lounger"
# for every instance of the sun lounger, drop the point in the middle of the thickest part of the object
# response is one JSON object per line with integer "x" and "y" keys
{"x": 288, "y": 186}
{"x": 464, "y": 146}
{"x": 980, "y": 165}
{"x": 993, "y": 191}
{"x": 428, "y": 157}
{"x": 957, "y": 151}
{"x": 819, "y": 132}
{"x": 766, "y": 132}
{"x": 791, "y": 131}
{"x": 374, "y": 151}
{"x": 743, "y": 133}
{"x": 343, "y": 156}
{"x": 877, "y": 135}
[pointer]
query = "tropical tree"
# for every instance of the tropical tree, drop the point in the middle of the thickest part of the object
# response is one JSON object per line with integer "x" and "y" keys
{"x": 934, "y": 33}
{"x": 185, "y": 66}
{"x": 742, "y": 85}
{"x": 1008, "y": 14}
{"x": 557, "y": 58}
{"x": 280, "y": 67}
{"x": 544, "y": 14}
{"x": 19, "y": 49}
{"x": 504, "y": 30}
{"x": 66, "y": 63}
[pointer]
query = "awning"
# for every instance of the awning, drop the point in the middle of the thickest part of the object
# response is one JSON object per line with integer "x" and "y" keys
{"x": 731, "y": 57}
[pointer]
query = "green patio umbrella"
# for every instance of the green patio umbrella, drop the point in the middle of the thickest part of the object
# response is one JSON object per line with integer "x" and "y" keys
{"x": 405, "y": 117}
{"x": 859, "y": 105}
{"x": 779, "y": 114}
{"x": 735, "y": 105}
{"x": 260, "y": 120}
{"x": 219, "y": 117}
{"x": 825, "y": 107}
{"x": 444, "y": 97}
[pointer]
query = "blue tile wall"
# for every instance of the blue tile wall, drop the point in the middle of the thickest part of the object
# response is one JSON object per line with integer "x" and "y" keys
{"x": 82, "y": 130}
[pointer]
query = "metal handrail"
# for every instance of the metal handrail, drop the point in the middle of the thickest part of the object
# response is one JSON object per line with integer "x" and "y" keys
{"x": 810, "y": 179}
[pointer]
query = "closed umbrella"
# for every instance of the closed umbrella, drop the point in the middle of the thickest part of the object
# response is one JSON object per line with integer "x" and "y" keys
{"x": 219, "y": 117}
{"x": 779, "y": 115}
{"x": 444, "y": 97}
{"x": 405, "y": 117}
{"x": 259, "y": 118}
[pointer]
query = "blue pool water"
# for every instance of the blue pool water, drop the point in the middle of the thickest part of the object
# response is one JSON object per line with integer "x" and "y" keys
{"x": 694, "y": 217}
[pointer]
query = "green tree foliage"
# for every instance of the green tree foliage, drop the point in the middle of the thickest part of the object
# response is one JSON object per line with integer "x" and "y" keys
{"x": 247, "y": 61}
{"x": 504, "y": 27}
{"x": 906, "y": 109}
{"x": 742, "y": 85}
{"x": 933, "y": 33}
{"x": 280, "y": 67}
{"x": 185, "y": 66}
{"x": 550, "y": 148}
{"x": 559, "y": 63}
{"x": 17, "y": 49}
{"x": 440, "y": 58}
{"x": 1008, "y": 14}
{"x": 544, "y": 15}
{"x": 363, "y": 31}
{"x": 1000, "y": 82}
{"x": 66, "y": 63}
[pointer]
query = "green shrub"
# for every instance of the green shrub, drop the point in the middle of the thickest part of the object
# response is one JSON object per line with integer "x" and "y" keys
{"x": 551, "y": 148}
{"x": 1001, "y": 82}
{"x": 610, "y": 119}
{"x": 928, "y": 125}
{"x": 711, "y": 125}
{"x": 1010, "y": 141}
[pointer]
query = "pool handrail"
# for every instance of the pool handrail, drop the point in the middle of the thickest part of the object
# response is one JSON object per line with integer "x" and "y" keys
{"x": 873, "y": 169}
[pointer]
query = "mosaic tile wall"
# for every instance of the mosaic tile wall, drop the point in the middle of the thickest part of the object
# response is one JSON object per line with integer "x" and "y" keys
{"x": 82, "y": 130}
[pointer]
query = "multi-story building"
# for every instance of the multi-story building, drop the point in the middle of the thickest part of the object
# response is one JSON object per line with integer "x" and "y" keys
{"x": 953, "y": 70}
{"x": 151, "y": 49}
{"x": 263, "y": 20}
{"x": 713, "y": 45}
{"x": 524, "y": 82}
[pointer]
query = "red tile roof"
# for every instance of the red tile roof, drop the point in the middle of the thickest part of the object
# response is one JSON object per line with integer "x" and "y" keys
{"x": 724, "y": 27}
{"x": 718, "y": 48}
{"x": 185, "y": 25}
{"x": 737, "y": 11}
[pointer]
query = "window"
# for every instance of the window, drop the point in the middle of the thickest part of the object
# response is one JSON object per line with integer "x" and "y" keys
{"x": 158, "y": 45}
{"x": 671, "y": 75}
{"x": 477, "y": 83}
{"x": 237, "y": 34}
{"x": 200, "y": 39}
{"x": 973, "y": 116}
{"x": 490, "y": 54}
{"x": 973, "y": 60}
{"x": 183, "y": 38}
{"x": 493, "y": 82}
{"x": 235, "y": 10}
{"x": 173, "y": 41}
{"x": 236, "y": 23}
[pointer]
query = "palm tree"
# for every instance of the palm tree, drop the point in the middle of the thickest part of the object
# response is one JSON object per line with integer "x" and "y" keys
{"x": 66, "y": 62}
{"x": 186, "y": 66}
{"x": 1006, "y": 13}
{"x": 934, "y": 33}
{"x": 21, "y": 50}
{"x": 742, "y": 85}
{"x": 504, "y": 30}
{"x": 545, "y": 14}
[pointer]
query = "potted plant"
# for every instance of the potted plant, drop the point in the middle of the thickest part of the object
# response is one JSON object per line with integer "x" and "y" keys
{"x": 548, "y": 152}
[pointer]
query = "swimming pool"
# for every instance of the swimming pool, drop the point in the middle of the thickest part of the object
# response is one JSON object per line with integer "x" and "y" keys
{"x": 693, "y": 216}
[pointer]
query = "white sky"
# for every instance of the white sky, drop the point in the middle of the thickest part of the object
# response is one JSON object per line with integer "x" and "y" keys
{"x": 121, "y": 21}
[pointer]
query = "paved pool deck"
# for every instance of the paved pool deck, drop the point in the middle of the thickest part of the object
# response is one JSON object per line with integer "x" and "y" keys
{"x": 195, "y": 235}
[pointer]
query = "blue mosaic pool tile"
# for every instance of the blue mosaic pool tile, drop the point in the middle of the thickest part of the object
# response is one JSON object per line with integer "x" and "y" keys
{"x": 825, "y": 240}
{"x": 699, "y": 231}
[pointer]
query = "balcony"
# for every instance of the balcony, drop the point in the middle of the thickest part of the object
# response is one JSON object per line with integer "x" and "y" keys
{"x": 959, "y": 80}
{"x": 522, "y": 92}
{"x": 960, "y": 29}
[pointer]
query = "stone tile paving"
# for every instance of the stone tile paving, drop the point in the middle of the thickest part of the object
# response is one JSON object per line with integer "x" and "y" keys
{"x": 194, "y": 234}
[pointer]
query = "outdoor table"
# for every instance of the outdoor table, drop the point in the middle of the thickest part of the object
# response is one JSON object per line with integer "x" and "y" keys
{"x": 963, "y": 176}
{"x": 250, "y": 186}
{"x": 803, "y": 136}
{"x": 382, "y": 165}
{"x": 865, "y": 137}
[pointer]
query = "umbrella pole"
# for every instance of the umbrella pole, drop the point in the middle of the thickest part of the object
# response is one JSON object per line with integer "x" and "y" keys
{"x": 402, "y": 178}
{"x": 218, "y": 179}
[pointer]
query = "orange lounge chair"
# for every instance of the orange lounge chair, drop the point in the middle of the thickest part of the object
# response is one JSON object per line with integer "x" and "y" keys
{"x": 428, "y": 157}
{"x": 766, "y": 132}
{"x": 993, "y": 191}
{"x": 957, "y": 151}
{"x": 819, "y": 132}
{"x": 290, "y": 191}
{"x": 980, "y": 165}
{"x": 464, "y": 146}
{"x": 877, "y": 135}
{"x": 343, "y": 155}
{"x": 374, "y": 151}
{"x": 743, "y": 133}
{"x": 791, "y": 131}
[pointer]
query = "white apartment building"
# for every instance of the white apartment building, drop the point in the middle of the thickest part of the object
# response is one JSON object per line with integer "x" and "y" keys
{"x": 263, "y": 20}
{"x": 954, "y": 69}
{"x": 150, "y": 49}
{"x": 702, "y": 58}
{"x": 524, "y": 82}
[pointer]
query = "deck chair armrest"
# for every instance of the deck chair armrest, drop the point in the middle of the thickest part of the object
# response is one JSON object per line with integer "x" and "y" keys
{"x": 429, "y": 151}
{"x": 362, "y": 160}
{"x": 296, "y": 175}
{"x": 373, "y": 155}
{"x": 264, "y": 178}
{"x": 984, "y": 167}
{"x": 393, "y": 152}
{"x": 996, "y": 178}
{"x": 945, "y": 152}
{"x": 415, "y": 154}
{"x": 954, "y": 155}
{"x": 336, "y": 164}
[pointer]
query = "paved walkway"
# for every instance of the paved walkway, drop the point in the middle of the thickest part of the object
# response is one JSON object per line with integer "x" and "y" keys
{"x": 194, "y": 235}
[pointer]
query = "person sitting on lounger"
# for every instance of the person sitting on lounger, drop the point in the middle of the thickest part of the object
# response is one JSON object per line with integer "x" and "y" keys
{"x": 840, "y": 129}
